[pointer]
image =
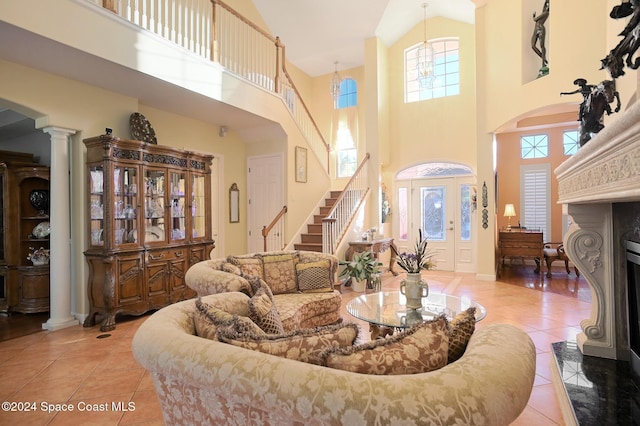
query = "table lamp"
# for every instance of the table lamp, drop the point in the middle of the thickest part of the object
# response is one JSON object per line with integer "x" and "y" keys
{"x": 509, "y": 211}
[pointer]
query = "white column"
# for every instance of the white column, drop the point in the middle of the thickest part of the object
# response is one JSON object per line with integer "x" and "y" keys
{"x": 60, "y": 237}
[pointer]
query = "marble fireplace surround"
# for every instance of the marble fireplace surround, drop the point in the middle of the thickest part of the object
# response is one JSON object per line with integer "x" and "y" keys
{"x": 599, "y": 188}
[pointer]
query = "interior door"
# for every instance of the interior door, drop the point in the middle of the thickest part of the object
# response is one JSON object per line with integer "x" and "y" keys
{"x": 434, "y": 212}
{"x": 265, "y": 196}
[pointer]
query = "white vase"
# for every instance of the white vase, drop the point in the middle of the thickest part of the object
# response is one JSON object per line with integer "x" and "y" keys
{"x": 414, "y": 289}
{"x": 358, "y": 286}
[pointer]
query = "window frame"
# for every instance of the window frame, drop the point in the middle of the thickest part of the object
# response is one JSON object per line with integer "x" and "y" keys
{"x": 447, "y": 72}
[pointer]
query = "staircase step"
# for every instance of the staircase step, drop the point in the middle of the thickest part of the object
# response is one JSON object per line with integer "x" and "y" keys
{"x": 317, "y": 218}
{"x": 314, "y": 228}
{"x": 335, "y": 194}
{"x": 325, "y": 210}
{"x": 308, "y": 247}
{"x": 312, "y": 238}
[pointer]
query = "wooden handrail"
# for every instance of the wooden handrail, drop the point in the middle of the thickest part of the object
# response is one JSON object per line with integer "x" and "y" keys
{"x": 243, "y": 19}
{"x": 268, "y": 228}
{"x": 353, "y": 177}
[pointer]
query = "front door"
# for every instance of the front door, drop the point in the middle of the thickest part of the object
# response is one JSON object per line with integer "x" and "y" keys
{"x": 442, "y": 209}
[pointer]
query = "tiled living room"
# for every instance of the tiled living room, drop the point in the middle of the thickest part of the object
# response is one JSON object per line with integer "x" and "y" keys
{"x": 76, "y": 365}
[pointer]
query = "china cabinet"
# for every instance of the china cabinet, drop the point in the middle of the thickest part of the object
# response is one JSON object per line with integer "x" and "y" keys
{"x": 24, "y": 202}
{"x": 149, "y": 220}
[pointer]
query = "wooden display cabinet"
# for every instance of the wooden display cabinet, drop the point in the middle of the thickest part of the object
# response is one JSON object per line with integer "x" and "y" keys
{"x": 149, "y": 220}
{"x": 24, "y": 286}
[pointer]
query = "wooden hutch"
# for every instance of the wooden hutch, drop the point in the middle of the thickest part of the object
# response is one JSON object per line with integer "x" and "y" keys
{"x": 149, "y": 220}
{"x": 24, "y": 220}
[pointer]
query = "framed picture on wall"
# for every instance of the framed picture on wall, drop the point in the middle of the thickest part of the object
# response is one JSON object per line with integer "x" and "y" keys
{"x": 301, "y": 164}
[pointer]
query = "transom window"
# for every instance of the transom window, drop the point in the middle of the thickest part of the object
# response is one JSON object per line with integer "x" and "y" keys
{"x": 534, "y": 146}
{"x": 446, "y": 54}
{"x": 570, "y": 142}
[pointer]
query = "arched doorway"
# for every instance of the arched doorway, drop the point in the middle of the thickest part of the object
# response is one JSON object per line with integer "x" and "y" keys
{"x": 438, "y": 198}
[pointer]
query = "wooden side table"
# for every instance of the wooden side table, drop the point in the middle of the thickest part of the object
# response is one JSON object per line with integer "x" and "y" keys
{"x": 375, "y": 247}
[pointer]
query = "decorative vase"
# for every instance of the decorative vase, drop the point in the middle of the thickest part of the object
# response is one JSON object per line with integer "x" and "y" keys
{"x": 358, "y": 286}
{"x": 39, "y": 199}
{"x": 39, "y": 256}
{"x": 414, "y": 289}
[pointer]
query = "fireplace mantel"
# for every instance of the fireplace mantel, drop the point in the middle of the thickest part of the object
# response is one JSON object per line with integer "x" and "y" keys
{"x": 603, "y": 173}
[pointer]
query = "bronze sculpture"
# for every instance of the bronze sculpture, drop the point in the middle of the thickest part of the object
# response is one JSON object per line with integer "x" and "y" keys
{"x": 595, "y": 104}
{"x": 539, "y": 35}
{"x": 614, "y": 62}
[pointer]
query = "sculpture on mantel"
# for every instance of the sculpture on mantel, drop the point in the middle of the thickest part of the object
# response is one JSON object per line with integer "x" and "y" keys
{"x": 597, "y": 100}
{"x": 539, "y": 35}
{"x": 614, "y": 62}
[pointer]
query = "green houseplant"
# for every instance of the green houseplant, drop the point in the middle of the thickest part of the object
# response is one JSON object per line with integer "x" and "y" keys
{"x": 361, "y": 268}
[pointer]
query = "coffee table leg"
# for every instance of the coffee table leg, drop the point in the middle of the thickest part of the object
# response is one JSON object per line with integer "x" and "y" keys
{"x": 378, "y": 332}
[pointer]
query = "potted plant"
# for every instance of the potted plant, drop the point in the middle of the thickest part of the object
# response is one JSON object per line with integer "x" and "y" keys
{"x": 360, "y": 269}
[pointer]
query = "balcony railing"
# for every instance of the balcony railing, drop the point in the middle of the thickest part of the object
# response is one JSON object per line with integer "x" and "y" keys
{"x": 214, "y": 31}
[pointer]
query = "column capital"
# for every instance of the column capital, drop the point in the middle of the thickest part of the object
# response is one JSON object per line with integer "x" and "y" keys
{"x": 58, "y": 131}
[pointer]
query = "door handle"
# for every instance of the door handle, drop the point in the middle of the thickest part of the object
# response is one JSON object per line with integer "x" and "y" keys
{"x": 450, "y": 229}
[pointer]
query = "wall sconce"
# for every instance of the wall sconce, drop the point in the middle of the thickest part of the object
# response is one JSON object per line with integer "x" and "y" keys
{"x": 223, "y": 131}
{"x": 509, "y": 212}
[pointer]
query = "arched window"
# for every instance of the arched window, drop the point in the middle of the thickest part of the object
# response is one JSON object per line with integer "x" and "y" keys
{"x": 446, "y": 69}
{"x": 348, "y": 94}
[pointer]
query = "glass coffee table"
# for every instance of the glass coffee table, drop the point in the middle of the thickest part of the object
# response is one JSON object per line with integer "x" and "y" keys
{"x": 386, "y": 311}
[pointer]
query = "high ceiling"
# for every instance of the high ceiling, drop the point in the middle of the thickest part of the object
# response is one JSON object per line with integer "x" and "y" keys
{"x": 319, "y": 33}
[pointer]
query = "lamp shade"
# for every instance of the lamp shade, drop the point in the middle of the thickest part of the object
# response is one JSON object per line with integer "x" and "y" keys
{"x": 509, "y": 210}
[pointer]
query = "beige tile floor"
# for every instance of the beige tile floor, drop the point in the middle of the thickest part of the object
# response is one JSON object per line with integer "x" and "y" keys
{"x": 75, "y": 368}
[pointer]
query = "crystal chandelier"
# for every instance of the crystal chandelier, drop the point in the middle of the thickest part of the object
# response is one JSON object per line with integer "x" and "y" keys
{"x": 336, "y": 80}
{"x": 424, "y": 56}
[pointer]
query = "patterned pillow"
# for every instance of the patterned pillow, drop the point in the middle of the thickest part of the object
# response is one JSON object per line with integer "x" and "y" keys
{"x": 231, "y": 268}
{"x": 263, "y": 312}
{"x": 280, "y": 272}
{"x": 421, "y": 348}
{"x": 249, "y": 265}
{"x": 302, "y": 345}
{"x": 208, "y": 319}
{"x": 314, "y": 277}
{"x": 462, "y": 327}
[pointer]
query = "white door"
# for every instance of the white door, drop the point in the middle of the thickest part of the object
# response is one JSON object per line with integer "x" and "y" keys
{"x": 265, "y": 196}
{"x": 433, "y": 212}
{"x": 443, "y": 210}
{"x": 216, "y": 203}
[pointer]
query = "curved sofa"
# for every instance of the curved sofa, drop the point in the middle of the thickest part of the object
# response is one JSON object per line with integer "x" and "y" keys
{"x": 200, "y": 381}
{"x": 297, "y": 309}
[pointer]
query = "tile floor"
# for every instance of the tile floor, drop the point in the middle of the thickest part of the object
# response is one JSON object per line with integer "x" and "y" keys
{"x": 75, "y": 368}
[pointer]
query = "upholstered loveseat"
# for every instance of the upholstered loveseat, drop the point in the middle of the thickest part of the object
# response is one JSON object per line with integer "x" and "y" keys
{"x": 202, "y": 381}
{"x": 302, "y": 283}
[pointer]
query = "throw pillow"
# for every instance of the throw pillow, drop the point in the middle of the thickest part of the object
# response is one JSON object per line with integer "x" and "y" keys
{"x": 280, "y": 272}
{"x": 462, "y": 327}
{"x": 302, "y": 345}
{"x": 421, "y": 348}
{"x": 263, "y": 312}
{"x": 249, "y": 265}
{"x": 314, "y": 277}
{"x": 231, "y": 268}
{"x": 208, "y": 318}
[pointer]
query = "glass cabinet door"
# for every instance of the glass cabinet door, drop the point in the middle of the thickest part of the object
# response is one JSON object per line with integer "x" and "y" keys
{"x": 198, "y": 211}
{"x": 178, "y": 206}
{"x": 96, "y": 188}
{"x": 125, "y": 189}
{"x": 2, "y": 220}
{"x": 154, "y": 205}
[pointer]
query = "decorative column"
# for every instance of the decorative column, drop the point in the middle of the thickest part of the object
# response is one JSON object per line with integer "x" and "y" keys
{"x": 588, "y": 244}
{"x": 60, "y": 237}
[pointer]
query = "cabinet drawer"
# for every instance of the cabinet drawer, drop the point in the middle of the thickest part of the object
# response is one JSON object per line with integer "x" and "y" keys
{"x": 164, "y": 255}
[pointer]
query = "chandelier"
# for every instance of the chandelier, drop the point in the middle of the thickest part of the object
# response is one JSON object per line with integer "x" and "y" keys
{"x": 424, "y": 56}
{"x": 334, "y": 84}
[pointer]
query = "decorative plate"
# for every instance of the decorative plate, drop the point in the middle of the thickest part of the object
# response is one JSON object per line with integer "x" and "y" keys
{"x": 42, "y": 230}
{"x": 141, "y": 129}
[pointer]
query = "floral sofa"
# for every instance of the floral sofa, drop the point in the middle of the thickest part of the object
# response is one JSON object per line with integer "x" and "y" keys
{"x": 302, "y": 283}
{"x": 206, "y": 381}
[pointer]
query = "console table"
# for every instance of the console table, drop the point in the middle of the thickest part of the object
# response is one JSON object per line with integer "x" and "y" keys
{"x": 375, "y": 247}
{"x": 521, "y": 243}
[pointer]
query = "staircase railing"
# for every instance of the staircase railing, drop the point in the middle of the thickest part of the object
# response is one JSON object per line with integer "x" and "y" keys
{"x": 335, "y": 224}
{"x": 274, "y": 240}
{"x": 215, "y": 31}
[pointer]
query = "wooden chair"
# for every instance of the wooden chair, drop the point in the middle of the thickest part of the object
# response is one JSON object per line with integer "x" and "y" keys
{"x": 553, "y": 252}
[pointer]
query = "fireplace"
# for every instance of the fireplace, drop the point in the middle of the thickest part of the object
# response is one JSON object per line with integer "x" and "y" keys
{"x": 633, "y": 285}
